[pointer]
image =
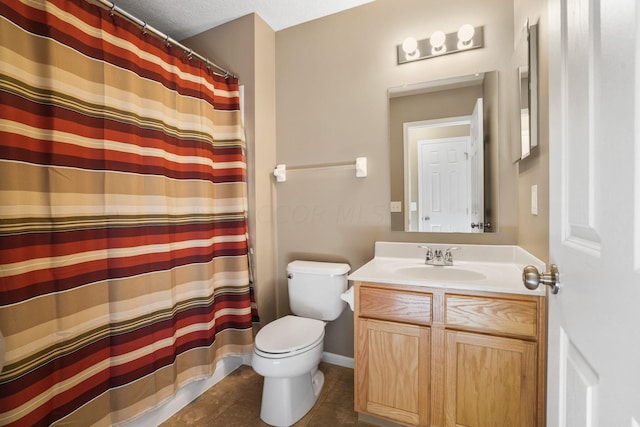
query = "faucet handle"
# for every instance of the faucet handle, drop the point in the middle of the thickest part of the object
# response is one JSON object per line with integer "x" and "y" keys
{"x": 447, "y": 255}
{"x": 429, "y": 254}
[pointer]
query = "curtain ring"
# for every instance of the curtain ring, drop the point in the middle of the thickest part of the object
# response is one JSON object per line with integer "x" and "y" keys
{"x": 112, "y": 11}
{"x": 190, "y": 55}
{"x": 144, "y": 29}
{"x": 166, "y": 41}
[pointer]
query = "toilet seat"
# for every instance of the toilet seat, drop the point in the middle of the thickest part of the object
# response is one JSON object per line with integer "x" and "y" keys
{"x": 288, "y": 336}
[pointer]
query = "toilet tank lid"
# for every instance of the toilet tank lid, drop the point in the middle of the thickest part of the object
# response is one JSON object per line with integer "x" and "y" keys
{"x": 315, "y": 267}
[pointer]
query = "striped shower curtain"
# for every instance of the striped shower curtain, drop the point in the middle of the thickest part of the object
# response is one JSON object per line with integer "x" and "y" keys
{"x": 123, "y": 233}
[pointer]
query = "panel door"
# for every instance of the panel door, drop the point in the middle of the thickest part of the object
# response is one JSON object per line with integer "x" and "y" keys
{"x": 443, "y": 185}
{"x": 594, "y": 81}
{"x": 476, "y": 168}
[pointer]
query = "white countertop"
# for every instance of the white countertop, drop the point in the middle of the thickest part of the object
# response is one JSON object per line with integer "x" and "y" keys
{"x": 491, "y": 268}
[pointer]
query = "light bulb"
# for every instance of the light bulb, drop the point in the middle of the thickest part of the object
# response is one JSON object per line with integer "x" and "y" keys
{"x": 437, "y": 40}
{"x": 465, "y": 36}
{"x": 409, "y": 45}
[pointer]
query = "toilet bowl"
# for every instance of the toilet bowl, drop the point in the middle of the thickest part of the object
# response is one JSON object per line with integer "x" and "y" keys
{"x": 292, "y": 382}
{"x": 288, "y": 350}
{"x": 288, "y": 347}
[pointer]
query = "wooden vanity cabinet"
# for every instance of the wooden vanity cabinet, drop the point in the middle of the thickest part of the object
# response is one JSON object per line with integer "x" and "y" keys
{"x": 394, "y": 383}
{"x": 430, "y": 357}
{"x": 393, "y": 346}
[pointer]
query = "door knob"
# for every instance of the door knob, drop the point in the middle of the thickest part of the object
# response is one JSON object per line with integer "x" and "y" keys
{"x": 484, "y": 225}
{"x": 532, "y": 278}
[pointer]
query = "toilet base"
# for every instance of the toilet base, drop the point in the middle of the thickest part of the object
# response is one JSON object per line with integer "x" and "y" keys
{"x": 286, "y": 400}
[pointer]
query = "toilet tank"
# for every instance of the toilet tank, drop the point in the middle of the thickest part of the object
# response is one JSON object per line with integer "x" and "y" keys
{"x": 315, "y": 288}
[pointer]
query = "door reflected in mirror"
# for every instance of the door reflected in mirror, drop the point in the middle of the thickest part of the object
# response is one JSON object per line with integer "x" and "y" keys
{"x": 444, "y": 173}
{"x": 441, "y": 128}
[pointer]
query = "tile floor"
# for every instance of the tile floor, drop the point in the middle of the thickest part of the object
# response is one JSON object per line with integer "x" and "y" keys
{"x": 235, "y": 402}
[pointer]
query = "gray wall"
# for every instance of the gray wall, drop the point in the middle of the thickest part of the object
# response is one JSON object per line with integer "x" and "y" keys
{"x": 332, "y": 77}
{"x": 533, "y": 233}
{"x": 326, "y": 102}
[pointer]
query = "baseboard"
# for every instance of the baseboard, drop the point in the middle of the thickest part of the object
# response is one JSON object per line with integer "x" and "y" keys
{"x": 187, "y": 394}
{"x": 377, "y": 421}
{"x": 337, "y": 359}
{"x": 246, "y": 359}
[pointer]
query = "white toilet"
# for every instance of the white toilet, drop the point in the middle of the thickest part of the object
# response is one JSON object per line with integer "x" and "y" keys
{"x": 288, "y": 350}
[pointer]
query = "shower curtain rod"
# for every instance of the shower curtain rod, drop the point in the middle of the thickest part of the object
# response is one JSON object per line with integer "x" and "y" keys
{"x": 168, "y": 40}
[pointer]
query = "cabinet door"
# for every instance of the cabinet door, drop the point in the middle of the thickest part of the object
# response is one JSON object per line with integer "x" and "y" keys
{"x": 489, "y": 381}
{"x": 392, "y": 374}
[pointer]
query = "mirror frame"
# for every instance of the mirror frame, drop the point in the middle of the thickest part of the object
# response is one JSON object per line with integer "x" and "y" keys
{"x": 532, "y": 91}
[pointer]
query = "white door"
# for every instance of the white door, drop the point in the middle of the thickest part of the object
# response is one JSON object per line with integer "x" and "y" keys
{"x": 443, "y": 192}
{"x": 476, "y": 169}
{"x": 594, "y": 321}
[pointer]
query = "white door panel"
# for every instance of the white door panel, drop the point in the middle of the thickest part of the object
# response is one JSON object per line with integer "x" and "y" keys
{"x": 443, "y": 185}
{"x": 594, "y": 321}
{"x": 476, "y": 167}
{"x": 578, "y": 386}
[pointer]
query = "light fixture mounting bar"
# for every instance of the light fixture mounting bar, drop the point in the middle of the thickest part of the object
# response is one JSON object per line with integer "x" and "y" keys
{"x": 451, "y": 45}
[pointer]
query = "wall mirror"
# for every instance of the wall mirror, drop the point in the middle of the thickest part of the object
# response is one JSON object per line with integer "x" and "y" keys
{"x": 527, "y": 60}
{"x": 440, "y": 133}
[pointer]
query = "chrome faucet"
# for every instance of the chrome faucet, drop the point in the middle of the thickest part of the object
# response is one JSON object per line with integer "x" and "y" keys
{"x": 429, "y": 255}
{"x": 436, "y": 257}
{"x": 448, "y": 256}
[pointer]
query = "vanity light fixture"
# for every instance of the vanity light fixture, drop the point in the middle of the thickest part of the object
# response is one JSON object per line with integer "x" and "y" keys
{"x": 466, "y": 38}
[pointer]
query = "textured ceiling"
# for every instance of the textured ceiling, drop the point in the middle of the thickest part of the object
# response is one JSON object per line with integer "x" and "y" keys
{"x": 184, "y": 18}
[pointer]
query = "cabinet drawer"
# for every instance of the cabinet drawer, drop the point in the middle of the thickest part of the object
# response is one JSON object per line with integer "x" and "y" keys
{"x": 396, "y": 305}
{"x": 493, "y": 315}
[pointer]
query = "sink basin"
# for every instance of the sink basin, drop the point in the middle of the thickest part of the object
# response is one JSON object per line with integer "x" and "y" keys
{"x": 488, "y": 268}
{"x": 441, "y": 273}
